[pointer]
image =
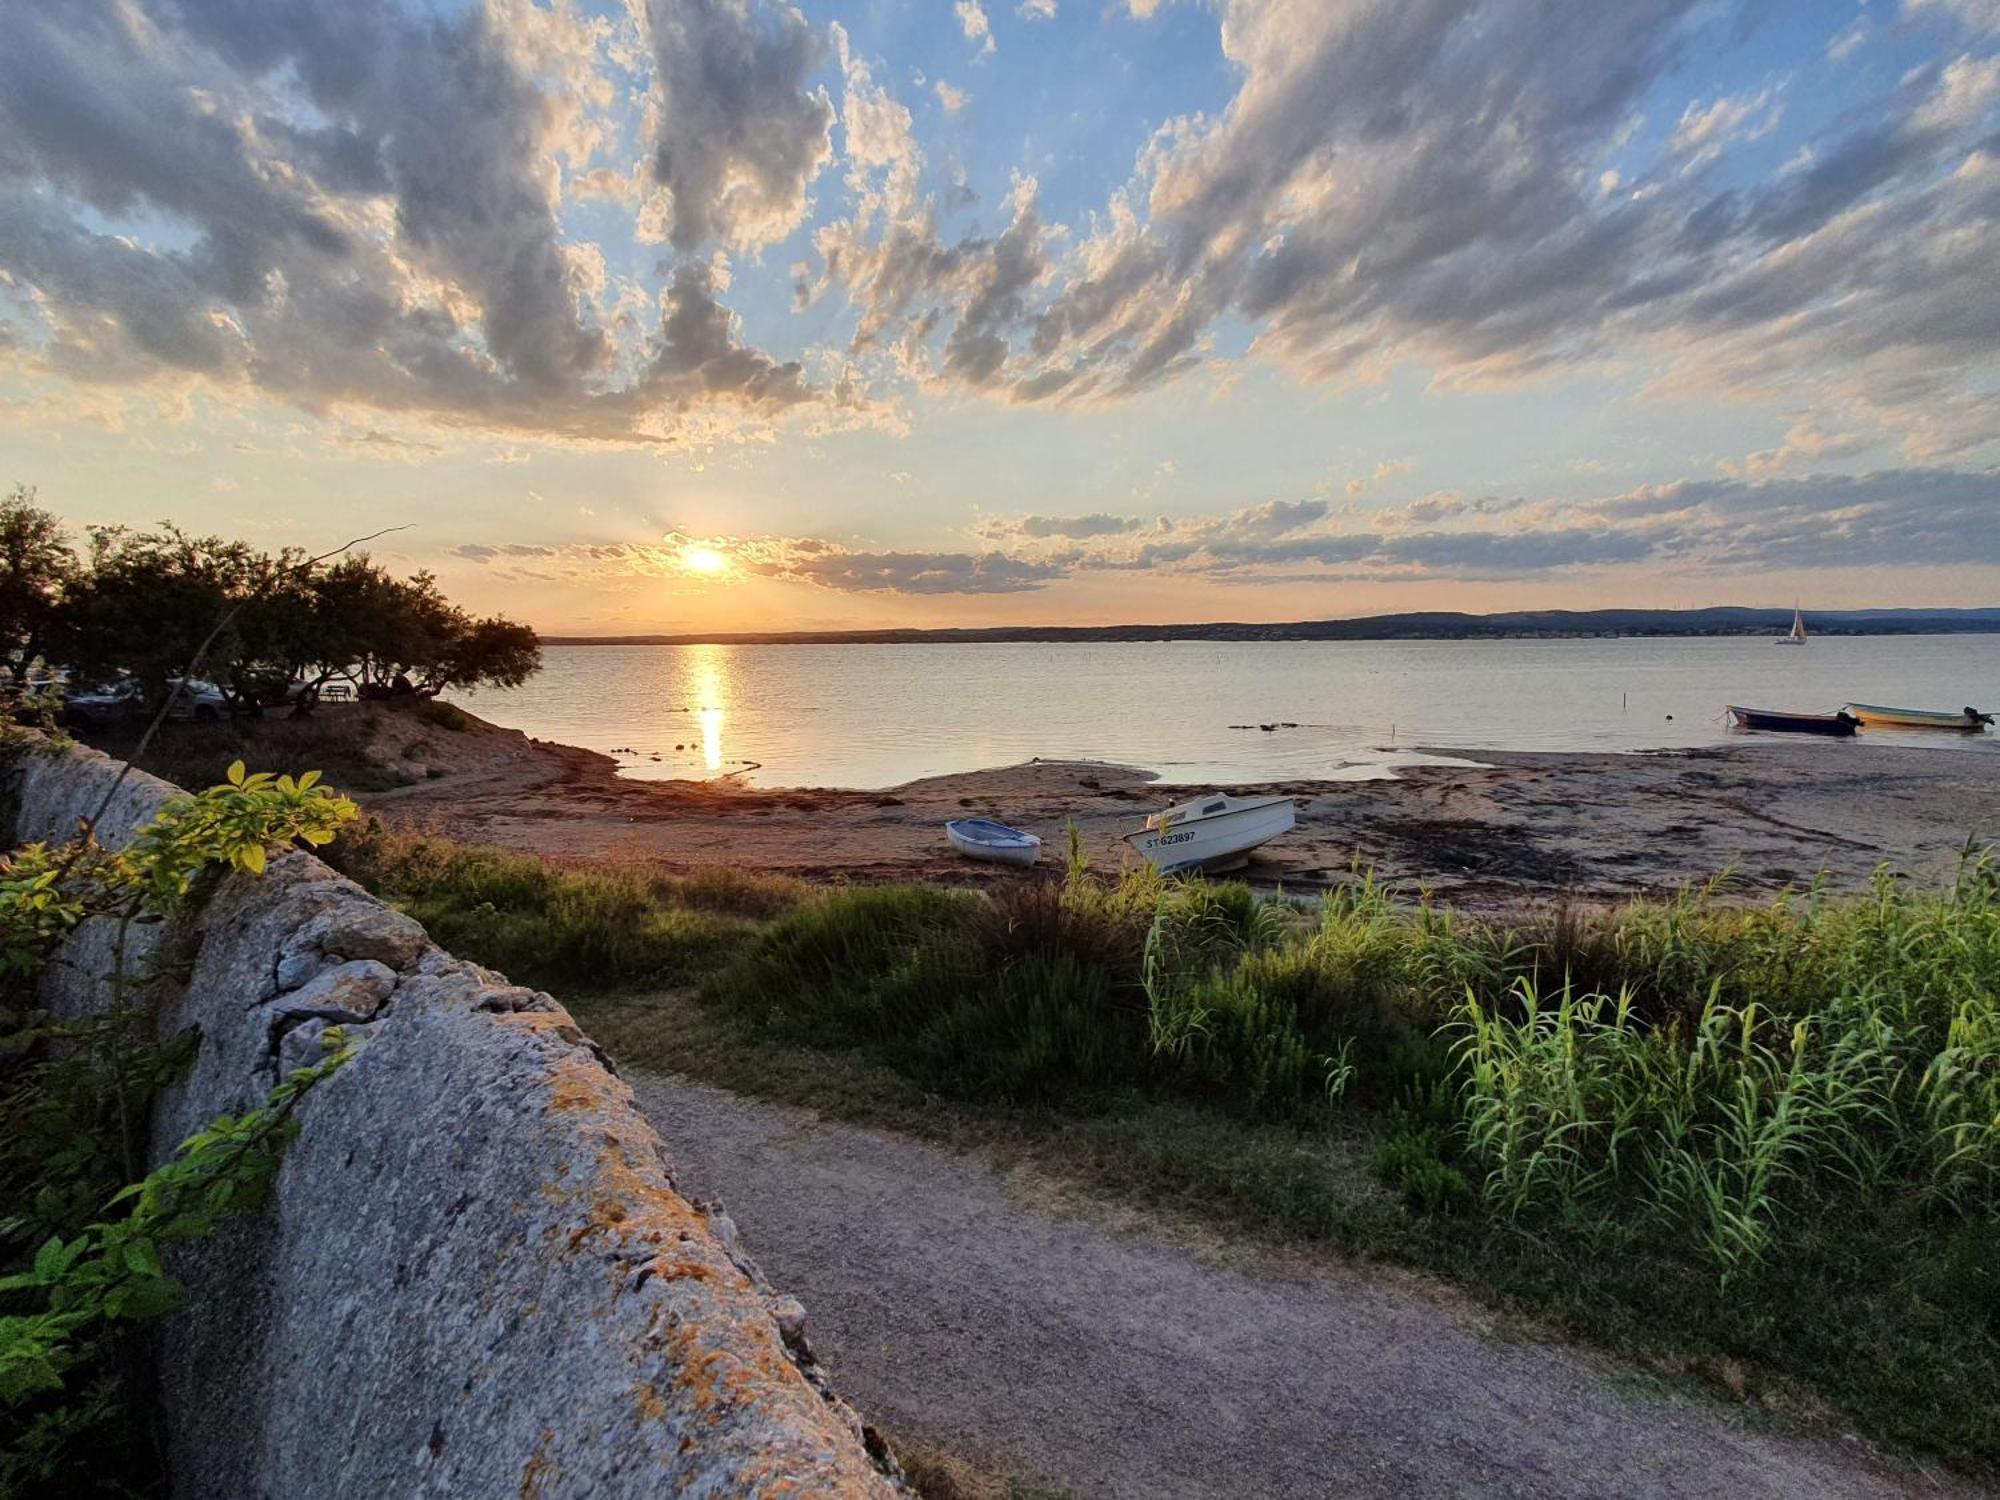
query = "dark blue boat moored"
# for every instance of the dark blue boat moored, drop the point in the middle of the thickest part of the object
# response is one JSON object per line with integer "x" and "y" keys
{"x": 1779, "y": 722}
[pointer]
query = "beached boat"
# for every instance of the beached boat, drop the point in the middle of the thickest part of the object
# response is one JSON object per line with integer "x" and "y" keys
{"x": 1875, "y": 715}
{"x": 1780, "y": 722}
{"x": 1797, "y": 635}
{"x": 1212, "y": 833}
{"x": 982, "y": 838}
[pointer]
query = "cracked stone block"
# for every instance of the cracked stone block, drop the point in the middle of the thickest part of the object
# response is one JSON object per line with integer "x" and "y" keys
{"x": 353, "y": 991}
{"x": 353, "y": 925}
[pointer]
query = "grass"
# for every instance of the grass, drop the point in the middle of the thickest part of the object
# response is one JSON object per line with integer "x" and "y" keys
{"x": 938, "y": 1474}
{"x": 1758, "y": 1145}
{"x": 551, "y": 927}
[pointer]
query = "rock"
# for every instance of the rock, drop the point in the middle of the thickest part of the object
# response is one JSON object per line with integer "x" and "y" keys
{"x": 353, "y": 924}
{"x": 790, "y": 1314}
{"x": 434, "y": 1250}
{"x": 294, "y": 969}
{"x": 348, "y": 992}
{"x": 302, "y": 1046}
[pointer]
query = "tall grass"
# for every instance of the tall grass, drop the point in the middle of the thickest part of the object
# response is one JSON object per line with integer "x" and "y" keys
{"x": 549, "y": 926}
{"x": 1688, "y": 1068}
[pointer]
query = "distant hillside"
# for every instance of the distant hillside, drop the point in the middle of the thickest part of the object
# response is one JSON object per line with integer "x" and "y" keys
{"x": 1435, "y": 625}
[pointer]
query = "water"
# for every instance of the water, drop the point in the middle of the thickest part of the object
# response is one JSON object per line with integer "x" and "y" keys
{"x": 875, "y": 716}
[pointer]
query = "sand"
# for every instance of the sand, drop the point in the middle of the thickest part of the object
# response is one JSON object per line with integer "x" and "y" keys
{"x": 1504, "y": 830}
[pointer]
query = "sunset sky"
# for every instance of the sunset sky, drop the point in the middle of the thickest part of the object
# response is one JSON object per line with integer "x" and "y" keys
{"x": 729, "y": 314}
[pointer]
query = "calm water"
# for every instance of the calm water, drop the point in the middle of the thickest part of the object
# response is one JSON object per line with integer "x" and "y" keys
{"x": 874, "y": 716}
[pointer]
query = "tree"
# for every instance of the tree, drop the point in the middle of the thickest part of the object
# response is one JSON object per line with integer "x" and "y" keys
{"x": 148, "y": 603}
{"x": 36, "y": 564}
{"x": 489, "y": 653}
{"x": 145, "y": 602}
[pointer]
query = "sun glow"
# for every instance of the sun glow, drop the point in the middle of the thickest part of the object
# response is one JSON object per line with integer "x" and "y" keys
{"x": 705, "y": 560}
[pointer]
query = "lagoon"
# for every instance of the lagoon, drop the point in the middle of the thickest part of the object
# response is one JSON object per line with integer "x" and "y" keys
{"x": 880, "y": 715}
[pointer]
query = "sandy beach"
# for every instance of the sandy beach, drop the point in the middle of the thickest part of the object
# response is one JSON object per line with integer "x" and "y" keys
{"x": 1506, "y": 829}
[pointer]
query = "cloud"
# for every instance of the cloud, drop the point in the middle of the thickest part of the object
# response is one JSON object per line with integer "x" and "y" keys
{"x": 1402, "y": 182}
{"x": 740, "y": 137}
{"x": 1846, "y": 43}
{"x": 952, "y": 99}
{"x": 1388, "y": 468}
{"x": 1098, "y": 523}
{"x": 800, "y": 560}
{"x": 1974, "y": 15}
{"x": 1804, "y": 441}
{"x": 972, "y": 21}
{"x": 1037, "y": 10}
{"x": 945, "y": 309}
{"x": 1892, "y": 518}
{"x": 1704, "y": 129}
{"x": 1719, "y": 527}
{"x": 353, "y": 204}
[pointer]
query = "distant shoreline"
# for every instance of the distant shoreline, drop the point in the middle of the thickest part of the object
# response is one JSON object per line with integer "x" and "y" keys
{"x": 1549, "y": 624}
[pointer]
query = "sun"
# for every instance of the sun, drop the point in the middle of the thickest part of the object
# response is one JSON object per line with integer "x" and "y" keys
{"x": 699, "y": 559}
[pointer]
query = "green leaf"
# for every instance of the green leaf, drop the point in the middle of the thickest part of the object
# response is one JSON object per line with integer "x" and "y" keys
{"x": 236, "y": 769}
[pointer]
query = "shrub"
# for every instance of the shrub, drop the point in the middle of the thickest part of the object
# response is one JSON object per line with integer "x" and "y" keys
{"x": 542, "y": 924}
{"x": 443, "y": 715}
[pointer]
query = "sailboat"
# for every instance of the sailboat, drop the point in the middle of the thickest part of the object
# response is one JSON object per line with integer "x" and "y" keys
{"x": 1797, "y": 637}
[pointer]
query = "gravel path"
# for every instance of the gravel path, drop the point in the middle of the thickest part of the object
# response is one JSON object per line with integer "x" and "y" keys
{"x": 1116, "y": 1364}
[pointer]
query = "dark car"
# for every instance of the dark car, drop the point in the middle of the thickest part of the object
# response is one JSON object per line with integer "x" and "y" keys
{"x": 105, "y": 706}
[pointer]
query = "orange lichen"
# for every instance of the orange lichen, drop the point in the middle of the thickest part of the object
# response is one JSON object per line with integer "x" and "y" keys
{"x": 539, "y": 1466}
{"x": 577, "y": 1082}
{"x": 652, "y": 1405}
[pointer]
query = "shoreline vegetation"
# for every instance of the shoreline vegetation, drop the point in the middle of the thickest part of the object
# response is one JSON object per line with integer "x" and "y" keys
{"x": 1435, "y": 625}
{"x": 1756, "y": 1144}
{"x": 1497, "y": 1025}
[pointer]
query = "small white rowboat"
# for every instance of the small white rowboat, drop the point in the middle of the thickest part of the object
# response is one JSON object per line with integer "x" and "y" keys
{"x": 1212, "y": 833}
{"x": 982, "y": 838}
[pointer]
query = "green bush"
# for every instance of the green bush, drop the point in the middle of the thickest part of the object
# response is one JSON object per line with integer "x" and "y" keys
{"x": 443, "y": 715}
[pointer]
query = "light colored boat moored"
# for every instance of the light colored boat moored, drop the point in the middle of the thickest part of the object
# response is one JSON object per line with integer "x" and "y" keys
{"x": 982, "y": 838}
{"x": 1212, "y": 833}
{"x": 1967, "y": 719}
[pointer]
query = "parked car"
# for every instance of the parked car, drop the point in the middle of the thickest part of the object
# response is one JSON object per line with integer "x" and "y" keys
{"x": 195, "y": 698}
{"x": 105, "y": 706}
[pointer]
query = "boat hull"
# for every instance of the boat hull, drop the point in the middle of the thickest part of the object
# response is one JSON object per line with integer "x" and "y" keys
{"x": 1220, "y": 841}
{"x": 995, "y": 843}
{"x": 1964, "y": 721}
{"x": 1775, "y": 721}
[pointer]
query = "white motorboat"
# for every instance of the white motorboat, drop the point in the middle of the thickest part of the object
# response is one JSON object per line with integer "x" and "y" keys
{"x": 982, "y": 838}
{"x": 1212, "y": 833}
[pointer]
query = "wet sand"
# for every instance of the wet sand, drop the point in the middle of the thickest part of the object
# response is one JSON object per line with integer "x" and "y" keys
{"x": 1513, "y": 829}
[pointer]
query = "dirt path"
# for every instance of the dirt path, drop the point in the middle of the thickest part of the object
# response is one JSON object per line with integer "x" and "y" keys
{"x": 1115, "y": 1364}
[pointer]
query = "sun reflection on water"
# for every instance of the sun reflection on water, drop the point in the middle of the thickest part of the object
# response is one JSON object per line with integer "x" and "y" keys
{"x": 708, "y": 674}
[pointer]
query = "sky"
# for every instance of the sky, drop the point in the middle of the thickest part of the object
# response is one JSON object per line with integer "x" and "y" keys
{"x": 686, "y": 315}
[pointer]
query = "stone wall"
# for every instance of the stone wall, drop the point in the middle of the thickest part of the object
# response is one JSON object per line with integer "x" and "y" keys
{"x": 474, "y": 1276}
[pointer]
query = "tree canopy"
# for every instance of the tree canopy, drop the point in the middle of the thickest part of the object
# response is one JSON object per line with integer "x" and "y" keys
{"x": 143, "y": 603}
